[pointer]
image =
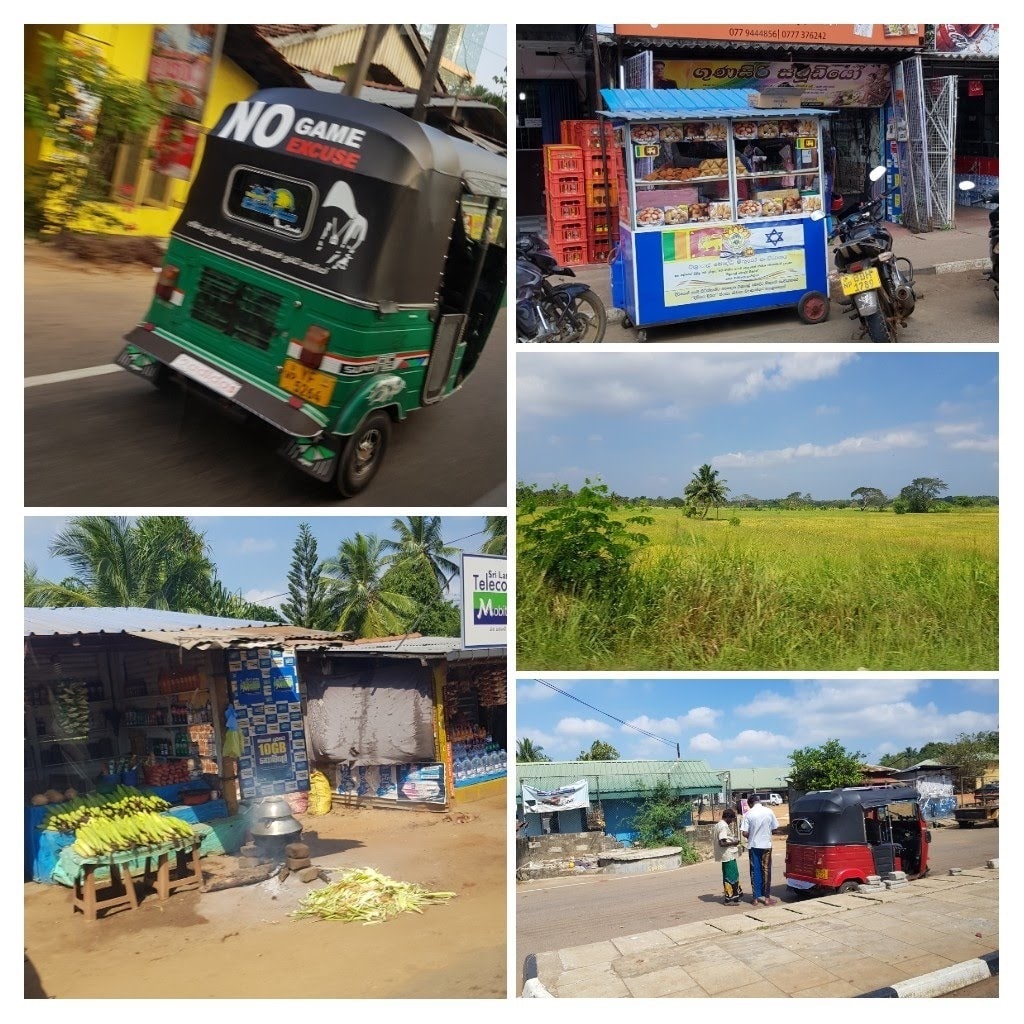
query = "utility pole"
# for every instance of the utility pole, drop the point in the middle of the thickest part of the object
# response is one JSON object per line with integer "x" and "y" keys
{"x": 419, "y": 112}
{"x": 367, "y": 48}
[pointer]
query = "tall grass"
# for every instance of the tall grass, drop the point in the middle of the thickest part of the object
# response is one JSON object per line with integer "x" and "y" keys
{"x": 811, "y": 590}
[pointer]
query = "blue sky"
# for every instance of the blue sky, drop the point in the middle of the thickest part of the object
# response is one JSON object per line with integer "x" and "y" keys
{"x": 252, "y": 553}
{"x": 753, "y": 723}
{"x": 822, "y": 423}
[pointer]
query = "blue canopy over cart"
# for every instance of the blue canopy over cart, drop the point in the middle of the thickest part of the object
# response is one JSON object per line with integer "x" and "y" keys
{"x": 716, "y": 204}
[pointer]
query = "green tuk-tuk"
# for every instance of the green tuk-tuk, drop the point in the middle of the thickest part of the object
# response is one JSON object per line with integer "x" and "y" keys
{"x": 334, "y": 268}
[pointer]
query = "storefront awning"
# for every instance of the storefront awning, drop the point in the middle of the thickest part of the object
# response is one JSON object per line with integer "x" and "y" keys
{"x": 673, "y": 104}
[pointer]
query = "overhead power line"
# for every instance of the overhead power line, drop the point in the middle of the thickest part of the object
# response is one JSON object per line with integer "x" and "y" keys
{"x": 628, "y": 725}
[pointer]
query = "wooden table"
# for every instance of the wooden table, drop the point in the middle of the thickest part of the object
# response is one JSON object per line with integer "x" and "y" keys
{"x": 176, "y": 866}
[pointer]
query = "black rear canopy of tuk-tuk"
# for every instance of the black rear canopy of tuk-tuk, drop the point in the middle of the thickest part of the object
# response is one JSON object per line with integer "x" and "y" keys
{"x": 348, "y": 197}
{"x": 831, "y": 817}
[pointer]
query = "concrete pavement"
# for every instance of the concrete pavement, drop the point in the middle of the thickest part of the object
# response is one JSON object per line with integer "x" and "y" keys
{"x": 846, "y": 945}
{"x": 962, "y": 249}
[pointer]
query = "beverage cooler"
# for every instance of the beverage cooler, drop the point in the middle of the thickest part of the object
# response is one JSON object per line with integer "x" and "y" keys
{"x": 716, "y": 196}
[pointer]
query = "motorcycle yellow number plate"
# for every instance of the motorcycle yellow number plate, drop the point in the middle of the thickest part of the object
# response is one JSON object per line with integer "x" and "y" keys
{"x": 312, "y": 385}
{"x": 821, "y": 874}
{"x": 864, "y": 281}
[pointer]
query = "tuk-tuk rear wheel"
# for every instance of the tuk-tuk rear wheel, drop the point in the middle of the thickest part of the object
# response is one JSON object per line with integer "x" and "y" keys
{"x": 363, "y": 453}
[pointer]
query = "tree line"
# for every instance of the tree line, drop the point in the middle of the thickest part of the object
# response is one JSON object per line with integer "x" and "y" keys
{"x": 371, "y": 586}
{"x": 706, "y": 490}
{"x": 830, "y": 765}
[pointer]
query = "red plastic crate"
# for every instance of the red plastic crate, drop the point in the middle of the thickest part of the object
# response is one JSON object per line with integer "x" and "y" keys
{"x": 587, "y": 135}
{"x": 559, "y": 159}
{"x": 598, "y": 166}
{"x": 601, "y": 224}
{"x": 565, "y": 207}
{"x": 599, "y": 252}
{"x": 572, "y": 255}
{"x": 600, "y": 193}
{"x": 563, "y": 232}
{"x": 560, "y": 185}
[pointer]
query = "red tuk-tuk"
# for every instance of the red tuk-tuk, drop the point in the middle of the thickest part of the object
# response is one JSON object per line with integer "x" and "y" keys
{"x": 838, "y": 837}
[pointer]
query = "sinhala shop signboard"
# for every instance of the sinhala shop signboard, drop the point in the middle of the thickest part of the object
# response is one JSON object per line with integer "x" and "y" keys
{"x": 811, "y": 35}
{"x": 484, "y": 601}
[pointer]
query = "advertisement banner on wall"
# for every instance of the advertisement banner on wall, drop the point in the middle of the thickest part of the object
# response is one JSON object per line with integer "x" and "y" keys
{"x": 565, "y": 798}
{"x": 421, "y": 783}
{"x": 825, "y": 84}
{"x": 814, "y": 35}
{"x": 182, "y": 58}
{"x": 175, "y": 148}
{"x": 484, "y": 601}
{"x": 967, "y": 40}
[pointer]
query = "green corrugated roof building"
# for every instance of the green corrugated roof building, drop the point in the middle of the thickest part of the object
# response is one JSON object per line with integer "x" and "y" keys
{"x": 619, "y": 780}
{"x": 757, "y": 780}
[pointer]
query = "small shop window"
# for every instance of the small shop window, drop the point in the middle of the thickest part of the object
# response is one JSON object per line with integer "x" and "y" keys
{"x": 271, "y": 202}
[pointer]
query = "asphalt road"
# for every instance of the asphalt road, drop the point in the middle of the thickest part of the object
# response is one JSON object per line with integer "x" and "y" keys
{"x": 958, "y": 307}
{"x": 563, "y": 912}
{"x": 113, "y": 440}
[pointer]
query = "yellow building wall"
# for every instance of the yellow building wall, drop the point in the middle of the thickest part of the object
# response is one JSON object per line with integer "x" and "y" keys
{"x": 127, "y": 49}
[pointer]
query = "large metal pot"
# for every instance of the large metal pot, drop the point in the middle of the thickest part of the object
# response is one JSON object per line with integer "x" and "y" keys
{"x": 273, "y": 817}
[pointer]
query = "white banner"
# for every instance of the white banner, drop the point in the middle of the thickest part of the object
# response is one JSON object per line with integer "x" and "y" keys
{"x": 565, "y": 798}
{"x": 484, "y": 601}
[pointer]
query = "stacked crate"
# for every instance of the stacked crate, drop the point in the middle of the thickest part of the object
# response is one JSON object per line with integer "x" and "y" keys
{"x": 602, "y": 171}
{"x": 566, "y": 204}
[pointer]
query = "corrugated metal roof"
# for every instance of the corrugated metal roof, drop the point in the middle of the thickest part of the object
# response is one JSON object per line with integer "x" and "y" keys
{"x": 617, "y": 779}
{"x": 257, "y": 636}
{"x": 668, "y": 104}
{"x": 61, "y": 621}
{"x": 447, "y": 647}
{"x": 750, "y": 780}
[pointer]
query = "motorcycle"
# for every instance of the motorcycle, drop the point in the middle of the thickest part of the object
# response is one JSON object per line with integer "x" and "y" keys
{"x": 878, "y": 286}
{"x": 546, "y": 312}
{"x": 989, "y": 199}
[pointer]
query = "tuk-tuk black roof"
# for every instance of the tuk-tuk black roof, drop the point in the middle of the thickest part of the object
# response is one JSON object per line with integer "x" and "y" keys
{"x": 835, "y": 801}
{"x": 432, "y": 150}
{"x": 399, "y": 182}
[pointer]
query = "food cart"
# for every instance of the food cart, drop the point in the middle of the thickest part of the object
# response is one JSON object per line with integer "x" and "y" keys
{"x": 715, "y": 205}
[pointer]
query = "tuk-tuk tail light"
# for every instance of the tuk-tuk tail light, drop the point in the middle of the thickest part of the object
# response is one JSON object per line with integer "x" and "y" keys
{"x": 166, "y": 281}
{"x": 314, "y": 346}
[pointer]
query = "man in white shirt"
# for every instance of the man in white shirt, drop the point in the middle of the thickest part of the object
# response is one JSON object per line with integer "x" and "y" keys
{"x": 758, "y": 825}
{"x": 727, "y": 850}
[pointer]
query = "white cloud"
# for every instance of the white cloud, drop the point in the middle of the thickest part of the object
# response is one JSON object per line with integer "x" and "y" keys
{"x": 595, "y": 438}
{"x": 589, "y": 727}
{"x": 863, "y": 445}
{"x": 270, "y": 598}
{"x": 560, "y": 384}
{"x": 760, "y": 739}
{"x": 957, "y": 428}
{"x": 977, "y": 444}
{"x": 826, "y": 410}
{"x": 526, "y": 691}
{"x": 705, "y": 743}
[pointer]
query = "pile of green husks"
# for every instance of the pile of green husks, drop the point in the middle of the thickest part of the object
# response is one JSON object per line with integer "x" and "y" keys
{"x": 362, "y": 894}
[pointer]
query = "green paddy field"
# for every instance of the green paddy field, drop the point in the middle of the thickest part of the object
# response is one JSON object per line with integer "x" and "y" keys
{"x": 807, "y": 590}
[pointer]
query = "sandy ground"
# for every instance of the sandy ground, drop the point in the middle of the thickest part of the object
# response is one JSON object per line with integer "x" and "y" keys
{"x": 241, "y": 943}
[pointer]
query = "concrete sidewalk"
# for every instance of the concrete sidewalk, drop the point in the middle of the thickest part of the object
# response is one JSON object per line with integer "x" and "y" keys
{"x": 847, "y": 945}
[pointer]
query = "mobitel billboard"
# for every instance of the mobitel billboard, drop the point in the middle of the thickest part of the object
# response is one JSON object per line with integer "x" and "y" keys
{"x": 484, "y": 601}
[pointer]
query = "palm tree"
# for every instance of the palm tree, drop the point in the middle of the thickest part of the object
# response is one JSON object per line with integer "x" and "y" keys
{"x": 354, "y": 586}
{"x": 527, "y": 752}
{"x": 496, "y": 528}
{"x": 705, "y": 490}
{"x": 420, "y": 540}
{"x": 155, "y": 562}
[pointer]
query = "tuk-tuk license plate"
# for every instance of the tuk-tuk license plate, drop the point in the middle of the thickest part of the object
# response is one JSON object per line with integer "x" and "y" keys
{"x": 864, "y": 281}
{"x": 821, "y": 874}
{"x": 312, "y": 385}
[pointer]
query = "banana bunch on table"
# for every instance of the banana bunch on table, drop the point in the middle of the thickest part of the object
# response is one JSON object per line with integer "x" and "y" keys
{"x": 99, "y": 836}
